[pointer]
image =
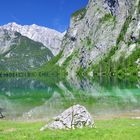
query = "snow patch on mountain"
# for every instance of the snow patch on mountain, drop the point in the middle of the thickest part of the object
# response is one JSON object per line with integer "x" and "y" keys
{"x": 7, "y": 39}
{"x": 50, "y": 38}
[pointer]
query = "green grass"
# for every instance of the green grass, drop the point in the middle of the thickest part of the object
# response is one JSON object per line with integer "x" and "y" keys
{"x": 107, "y": 17}
{"x": 124, "y": 29}
{"x": 117, "y": 129}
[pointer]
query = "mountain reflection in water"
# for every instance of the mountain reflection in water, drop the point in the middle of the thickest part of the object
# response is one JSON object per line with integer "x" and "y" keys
{"x": 39, "y": 99}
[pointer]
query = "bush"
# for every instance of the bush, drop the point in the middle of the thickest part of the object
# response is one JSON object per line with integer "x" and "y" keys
{"x": 80, "y": 13}
{"x": 107, "y": 17}
{"x": 124, "y": 30}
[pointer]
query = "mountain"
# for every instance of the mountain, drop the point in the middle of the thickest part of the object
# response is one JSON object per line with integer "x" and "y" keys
{"x": 19, "y": 53}
{"x": 103, "y": 38}
{"x": 48, "y": 37}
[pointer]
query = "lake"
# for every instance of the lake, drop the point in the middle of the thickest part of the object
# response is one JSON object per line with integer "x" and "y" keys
{"x": 33, "y": 99}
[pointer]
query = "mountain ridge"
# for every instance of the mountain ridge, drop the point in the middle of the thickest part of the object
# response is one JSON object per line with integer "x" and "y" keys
{"x": 19, "y": 53}
{"x": 48, "y": 37}
{"x": 103, "y": 36}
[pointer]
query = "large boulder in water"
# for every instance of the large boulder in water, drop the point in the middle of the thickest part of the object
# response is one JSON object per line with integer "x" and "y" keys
{"x": 76, "y": 116}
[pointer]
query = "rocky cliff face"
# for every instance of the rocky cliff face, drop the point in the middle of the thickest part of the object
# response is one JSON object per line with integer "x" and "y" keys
{"x": 48, "y": 37}
{"x": 19, "y": 53}
{"x": 106, "y": 30}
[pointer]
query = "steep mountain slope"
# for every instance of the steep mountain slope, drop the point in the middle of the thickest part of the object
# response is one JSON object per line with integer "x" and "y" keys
{"x": 104, "y": 37}
{"x": 19, "y": 53}
{"x": 50, "y": 38}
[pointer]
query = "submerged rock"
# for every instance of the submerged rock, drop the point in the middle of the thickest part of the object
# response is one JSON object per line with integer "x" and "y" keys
{"x": 1, "y": 115}
{"x": 76, "y": 116}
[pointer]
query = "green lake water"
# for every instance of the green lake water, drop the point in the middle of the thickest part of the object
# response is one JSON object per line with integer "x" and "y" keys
{"x": 29, "y": 99}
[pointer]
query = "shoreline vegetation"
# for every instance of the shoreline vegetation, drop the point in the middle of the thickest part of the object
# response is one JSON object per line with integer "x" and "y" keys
{"x": 32, "y": 74}
{"x": 23, "y": 74}
{"x": 116, "y": 129}
{"x": 53, "y": 78}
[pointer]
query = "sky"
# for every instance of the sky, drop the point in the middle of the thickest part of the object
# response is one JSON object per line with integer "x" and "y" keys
{"x": 54, "y": 14}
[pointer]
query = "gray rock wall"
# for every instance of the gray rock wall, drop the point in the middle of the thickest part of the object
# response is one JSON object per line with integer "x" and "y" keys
{"x": 91, "y": 37}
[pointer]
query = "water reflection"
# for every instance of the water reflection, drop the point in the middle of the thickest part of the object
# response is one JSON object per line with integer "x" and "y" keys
{"x": 38, "y": 99}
